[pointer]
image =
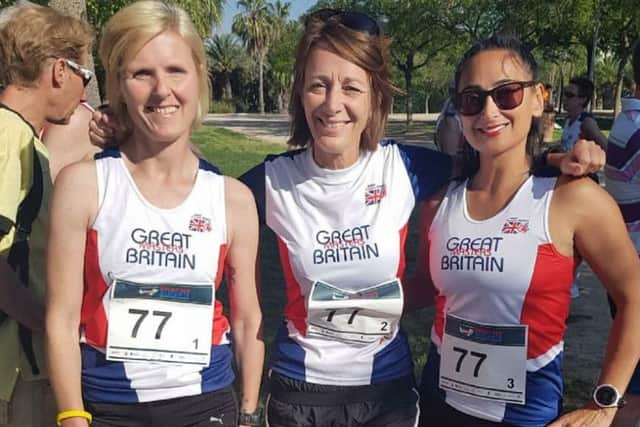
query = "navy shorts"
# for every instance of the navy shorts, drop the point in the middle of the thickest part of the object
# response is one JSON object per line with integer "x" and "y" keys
{"x": 216, "y": 409}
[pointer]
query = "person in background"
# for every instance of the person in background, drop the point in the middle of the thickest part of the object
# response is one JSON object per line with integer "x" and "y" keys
{"x": 448, "y": 133}
{"x": 501, "y": 245}
{"x": 579, "y": 123}
{"x": 42, "y": 53}
{"x": 623, "y": 183}
{"x": 139, "y": 241}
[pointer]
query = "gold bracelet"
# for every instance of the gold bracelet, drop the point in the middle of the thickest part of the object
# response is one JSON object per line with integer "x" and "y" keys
{"x": 73, "y": 413}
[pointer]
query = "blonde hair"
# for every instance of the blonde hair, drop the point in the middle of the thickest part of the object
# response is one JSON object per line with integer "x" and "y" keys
{"x": 368, "y": 51}
{"x": 134, "y": 26}
{"x": 31, "y": 34}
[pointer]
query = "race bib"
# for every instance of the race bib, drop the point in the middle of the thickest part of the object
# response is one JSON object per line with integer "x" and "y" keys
{"x": 361, "y": 317}
{"x": 169, "y": 323}
{"x": 484, "y": 361}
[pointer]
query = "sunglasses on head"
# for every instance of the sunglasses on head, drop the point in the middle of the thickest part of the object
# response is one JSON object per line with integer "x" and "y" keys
{"x": 506, "y": 96}
{"x": 356, "y": 21}
{"x": 84, "y": 73}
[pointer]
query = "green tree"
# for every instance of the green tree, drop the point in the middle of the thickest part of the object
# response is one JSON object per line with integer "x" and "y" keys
{"x": 255, "y": 25}
{"x": 224, "y": 55}
{"x": 281, "y": 60}
{"x": 203, "y": 13}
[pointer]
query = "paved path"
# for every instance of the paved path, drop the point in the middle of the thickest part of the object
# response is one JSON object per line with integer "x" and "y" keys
{"x": 275, "y": 127}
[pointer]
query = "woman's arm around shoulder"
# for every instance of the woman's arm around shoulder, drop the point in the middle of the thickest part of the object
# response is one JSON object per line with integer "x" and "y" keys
{"x": 418, "y": 288}
{"x": 72, "y": 211}
{"x": 596, "y": 228}
{"x": 242, "y": 280}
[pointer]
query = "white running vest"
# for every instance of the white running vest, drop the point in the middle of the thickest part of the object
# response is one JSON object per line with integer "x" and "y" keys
{"x": 503, "y": 298}
{"x": 168, "y": 262}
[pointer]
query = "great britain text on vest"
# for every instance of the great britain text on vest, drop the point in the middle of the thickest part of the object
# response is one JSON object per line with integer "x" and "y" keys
{"x": 167, "y": 249}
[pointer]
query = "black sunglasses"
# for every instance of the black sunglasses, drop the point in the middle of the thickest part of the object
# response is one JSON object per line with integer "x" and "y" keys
{"x": 506, "y": 96}
{"x": 356, "y": 21}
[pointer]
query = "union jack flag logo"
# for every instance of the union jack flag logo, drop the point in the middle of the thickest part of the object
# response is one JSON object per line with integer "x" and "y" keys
{"x": 374, "y": 194}
{"x": 515, "y": 226}
{"x": 199, "y": 223}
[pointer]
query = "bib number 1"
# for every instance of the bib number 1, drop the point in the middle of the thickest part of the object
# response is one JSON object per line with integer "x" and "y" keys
{"x": 169, "y": 323}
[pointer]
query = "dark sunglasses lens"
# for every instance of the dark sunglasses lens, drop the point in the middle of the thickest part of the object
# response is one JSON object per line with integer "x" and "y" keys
{"x": 360, "y": 22}
{"x": 353, "y": 20}
{"x": 569, "y": 95}
{"x": 470, "y": 103}
{"x": 509, "y": 96}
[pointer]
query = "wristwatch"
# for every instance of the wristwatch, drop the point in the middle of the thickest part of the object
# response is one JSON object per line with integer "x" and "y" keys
{"x": 607, "y": 396}
{"x": 252, "y": 419}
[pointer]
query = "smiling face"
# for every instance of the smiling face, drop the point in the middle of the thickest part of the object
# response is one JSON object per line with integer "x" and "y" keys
{"x": 161, "y": 89}
{"x": 336, "y": 97}
{"x": 493, "y": 130}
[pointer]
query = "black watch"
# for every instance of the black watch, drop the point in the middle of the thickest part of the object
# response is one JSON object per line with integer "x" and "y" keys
{"x": 607, "y": 396}
{"x": 253, "y": 419}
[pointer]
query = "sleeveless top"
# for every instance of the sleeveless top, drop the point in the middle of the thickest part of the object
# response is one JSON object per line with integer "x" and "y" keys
{"x": 149, "y": 281}
{"x": 503, "y": 295}
{"x": 341, "y": 237}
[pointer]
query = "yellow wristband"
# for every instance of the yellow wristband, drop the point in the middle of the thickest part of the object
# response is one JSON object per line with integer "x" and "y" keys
{"x": 73, "y": 413}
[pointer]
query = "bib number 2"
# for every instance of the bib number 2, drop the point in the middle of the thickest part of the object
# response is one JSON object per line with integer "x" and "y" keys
{"x": 356, "y": 317}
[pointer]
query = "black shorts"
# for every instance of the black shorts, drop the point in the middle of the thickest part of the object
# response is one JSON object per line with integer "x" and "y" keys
{"x": 215, "y": 409}
{"x": 437, "y": 413}
{"x": 293, "y": 403}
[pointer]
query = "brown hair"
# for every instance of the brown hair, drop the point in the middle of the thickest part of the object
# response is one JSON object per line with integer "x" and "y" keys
{"x": 134, "y": 26}
{"x": 31, "y": 35}
{"x": 370, "y": 52}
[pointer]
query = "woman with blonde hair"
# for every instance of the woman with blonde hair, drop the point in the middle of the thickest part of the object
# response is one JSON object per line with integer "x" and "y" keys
{"x": 139, "y": 242}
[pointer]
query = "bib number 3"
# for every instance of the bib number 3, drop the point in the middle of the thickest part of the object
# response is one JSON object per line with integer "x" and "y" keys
{"x": 483, "y": 360}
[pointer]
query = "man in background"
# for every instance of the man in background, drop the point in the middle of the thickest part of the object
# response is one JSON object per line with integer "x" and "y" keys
{"x": 42, "y": 53}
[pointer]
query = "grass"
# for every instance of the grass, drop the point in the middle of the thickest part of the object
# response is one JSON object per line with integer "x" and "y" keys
{"x": 234, "y": 154}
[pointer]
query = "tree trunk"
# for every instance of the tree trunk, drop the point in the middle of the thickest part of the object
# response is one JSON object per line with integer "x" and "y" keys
{"x": 227, "y": 92}
{"x": 78, "y": 8}
{"x": 592, "y": 49}
{"x": 408, "y": 79}
{"x": 426, "y": 103}
{"x": 261, "y": 84}
{"x": 617, "y": 105}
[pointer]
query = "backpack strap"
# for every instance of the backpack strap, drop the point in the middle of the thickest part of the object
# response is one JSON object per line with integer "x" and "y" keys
{"x": 18, "y": 257}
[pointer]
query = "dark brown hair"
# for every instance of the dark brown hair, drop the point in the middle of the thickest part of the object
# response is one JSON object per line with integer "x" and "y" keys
{"x": 367, "y": 51}
{"x": 470, "y": 157}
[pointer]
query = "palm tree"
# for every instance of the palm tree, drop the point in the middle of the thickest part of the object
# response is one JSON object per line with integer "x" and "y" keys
{"x": 224, "y": 55}
{"x": 255, "y": 25}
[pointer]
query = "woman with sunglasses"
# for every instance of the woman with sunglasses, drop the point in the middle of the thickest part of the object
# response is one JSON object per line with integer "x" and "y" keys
{"x": 138, "y": 244}
{"x": 501, "y": 246}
